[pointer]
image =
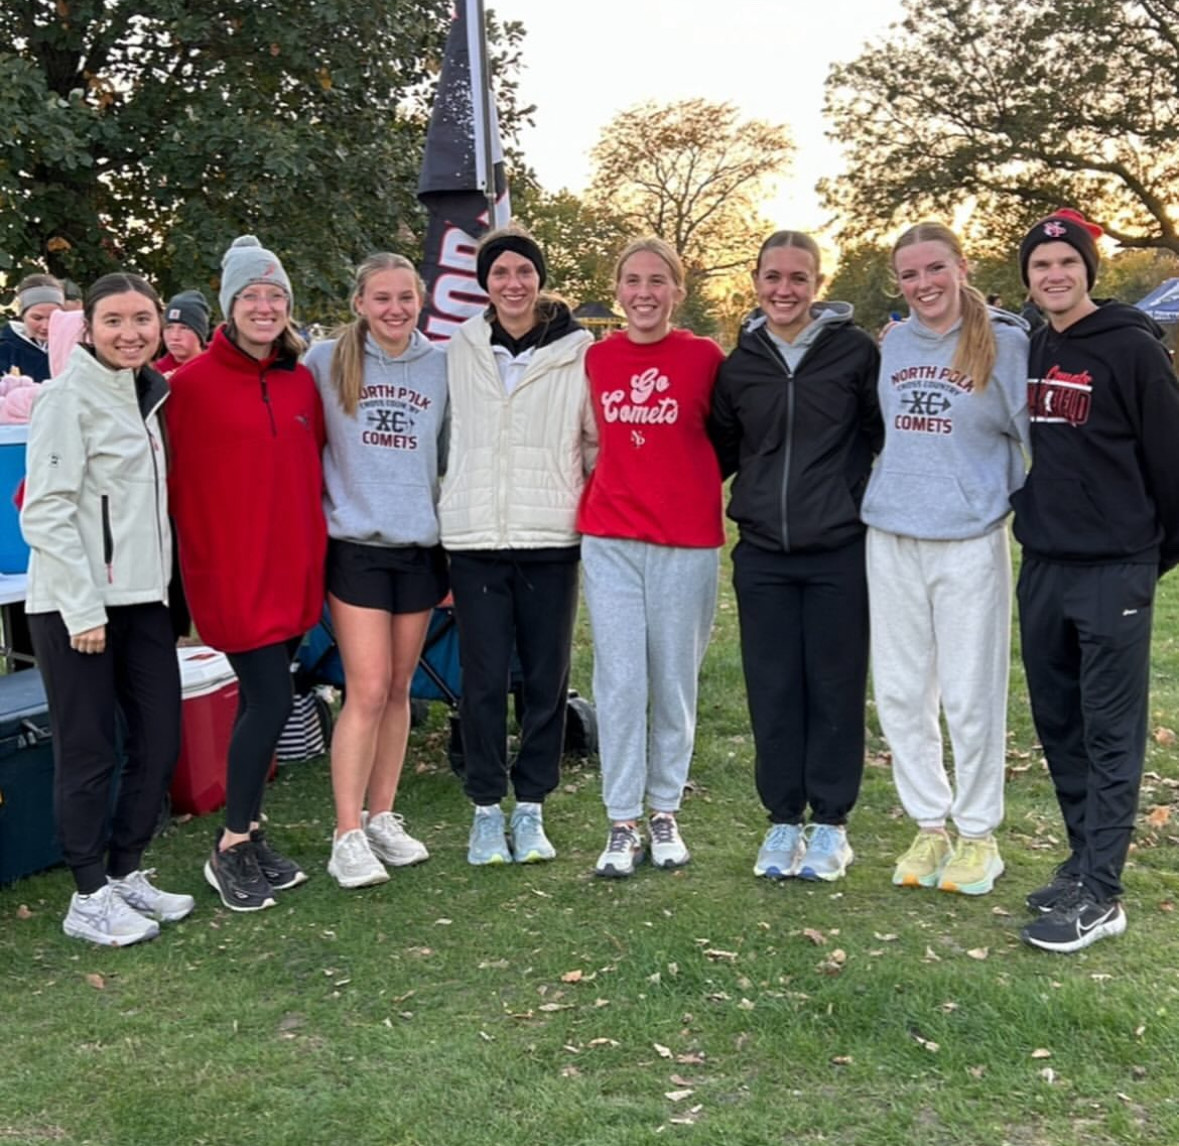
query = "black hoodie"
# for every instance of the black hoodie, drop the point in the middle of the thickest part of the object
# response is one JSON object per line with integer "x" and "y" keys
{"x": 1104, "y": 406}
{"x": 801, "y": 441}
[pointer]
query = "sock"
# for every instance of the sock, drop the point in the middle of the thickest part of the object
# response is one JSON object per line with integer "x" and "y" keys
{"x": 486, "y": 809}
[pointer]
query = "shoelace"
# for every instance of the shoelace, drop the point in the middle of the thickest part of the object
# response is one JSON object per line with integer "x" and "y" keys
{"x": 663, "y": 829}
{"x": 781, "y": 837}
{"x": 925, "y": 847}
{"x": 488, "y": 828}
{"x": 622, "y": 839}
{"x": 824, "y": 839}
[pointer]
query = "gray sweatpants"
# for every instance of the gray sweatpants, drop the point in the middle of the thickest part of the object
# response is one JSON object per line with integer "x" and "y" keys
{"x": 651, "y": 609}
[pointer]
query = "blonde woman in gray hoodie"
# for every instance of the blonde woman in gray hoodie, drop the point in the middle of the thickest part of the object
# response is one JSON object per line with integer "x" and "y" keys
{"x": 383, "y": 386}
{"x": 952, "y": 392}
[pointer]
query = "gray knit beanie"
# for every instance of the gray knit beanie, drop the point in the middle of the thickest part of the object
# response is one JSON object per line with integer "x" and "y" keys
{"x": 246, "y": 262}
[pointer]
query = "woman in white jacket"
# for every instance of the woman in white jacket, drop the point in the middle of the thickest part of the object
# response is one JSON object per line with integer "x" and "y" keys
{"x": 521, "y": 440}
{"x": 95, "y": 517}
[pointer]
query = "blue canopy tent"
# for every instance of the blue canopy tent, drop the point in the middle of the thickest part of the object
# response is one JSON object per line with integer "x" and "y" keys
{"x": 1162, "y": 304}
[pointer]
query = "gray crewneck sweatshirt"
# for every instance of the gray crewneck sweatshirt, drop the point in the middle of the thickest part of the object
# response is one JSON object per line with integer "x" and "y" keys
{"x": 953, "y": 454}
{"x": 380, "y": 466}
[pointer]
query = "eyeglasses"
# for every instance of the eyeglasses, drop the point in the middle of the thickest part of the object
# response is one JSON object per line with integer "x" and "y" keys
{"x": 274, "y": 298}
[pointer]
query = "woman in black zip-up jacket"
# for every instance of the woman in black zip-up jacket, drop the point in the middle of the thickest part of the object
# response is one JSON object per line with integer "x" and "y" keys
{"x": 795, "y": 418}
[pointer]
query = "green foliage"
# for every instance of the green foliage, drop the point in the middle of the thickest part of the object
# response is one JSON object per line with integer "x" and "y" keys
{"x": 1132, "y": 275}
{"x": 863, "y": 279}
{"x": 149, "y": 135}
{"x": 1015, "y": 109}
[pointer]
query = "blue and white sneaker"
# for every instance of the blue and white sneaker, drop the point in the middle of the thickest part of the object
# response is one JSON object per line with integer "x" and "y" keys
{"x": 828, "y": 854}
{"x": 529, "y": 843}
{"x": 781, "y": 852}
{"x": 487, "y": 843}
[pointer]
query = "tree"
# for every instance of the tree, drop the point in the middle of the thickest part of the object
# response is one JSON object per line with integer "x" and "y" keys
{"x": 148, "y": 134}
{"x": 693, "y": 173}
{"x": 1017, "y": 107}
{"x": 863, "y": 278}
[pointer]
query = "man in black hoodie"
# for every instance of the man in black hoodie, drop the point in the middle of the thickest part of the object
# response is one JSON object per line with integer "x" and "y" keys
{"x": 1098, "y": 519}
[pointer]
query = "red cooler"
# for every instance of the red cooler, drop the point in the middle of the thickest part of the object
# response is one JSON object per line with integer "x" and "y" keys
{"x": 210, "y": 707}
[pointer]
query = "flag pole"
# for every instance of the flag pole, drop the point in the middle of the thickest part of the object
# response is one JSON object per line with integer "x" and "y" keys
{"x": 486, "y": 136}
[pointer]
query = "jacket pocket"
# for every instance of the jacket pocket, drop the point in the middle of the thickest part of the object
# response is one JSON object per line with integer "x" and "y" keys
{"x": 108, "y": 535}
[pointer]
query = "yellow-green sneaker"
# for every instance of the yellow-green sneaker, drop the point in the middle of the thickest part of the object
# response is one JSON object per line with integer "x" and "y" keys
{"x": 921, "y": 865}
{"x": 973, "y": 867}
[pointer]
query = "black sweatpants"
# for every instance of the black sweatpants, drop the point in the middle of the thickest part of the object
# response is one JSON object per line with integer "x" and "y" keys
{"x": 266, "y": 696}
{"x": 804, "y": 650}
{"x": 1085, "y": 632}
{"x": 138, "y": 672}
{"x": 501, "y": 603}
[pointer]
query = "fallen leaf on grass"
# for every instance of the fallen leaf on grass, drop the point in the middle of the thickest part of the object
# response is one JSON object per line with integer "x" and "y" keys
{"x": 443, "y": 922}
{"x": 1164, "y": 736}
{"x": 604, "y": 1042}
{"x": 96, "y": 981}
{"x": 1158, "y": 816}
{"x": 662, "y": 1051}
{"x": 746, "y": 1005}
{"x": 1048, "y": 1075}
{"x": 842, "y": 1060}
{"x": 979, "y": 952}
{"x": 834, "y": 962}
{"x": 679, "y": 1080}
{"x": 1001, "y": 911}
{"x": 816, "y": 937}
{"x": 677, "y": 1095}
{"x": 601, "y": 1002}
{"x": 573, "y": 976}
{"x": 689, "y": 1059}
{"x": 927, "y": 1044}
{"x": 569, "y": 1072}
{"x": 889, "y": 938}
{"x": 1041, "y": 1052}
{"x": 931, "y": 956}
{"x": 548, "y": 1008}
{"x": 23, "y": 912}
{"x": 949, "y": 1007}
{"x": 1166, "y": 905}
{"x": 976, "y": 1071}
{"x": 715, "y": 953}
{"x": 1140, "y": 1031}
{"x": 494, "y": 964}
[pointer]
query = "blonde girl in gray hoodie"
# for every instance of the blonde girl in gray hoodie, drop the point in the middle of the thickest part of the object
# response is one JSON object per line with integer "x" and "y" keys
{"x": 383, "y": 386}
{"x": 952, "y": 392}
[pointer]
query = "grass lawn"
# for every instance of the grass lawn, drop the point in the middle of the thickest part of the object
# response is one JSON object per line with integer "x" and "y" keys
{"x": 537, "y": 1006}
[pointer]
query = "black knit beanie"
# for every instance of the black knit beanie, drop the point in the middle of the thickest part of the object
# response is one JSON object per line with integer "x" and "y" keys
{"x": 191, "y": 309}
{"x": 516, "y": 243}
{"x": 1063, "y": 226}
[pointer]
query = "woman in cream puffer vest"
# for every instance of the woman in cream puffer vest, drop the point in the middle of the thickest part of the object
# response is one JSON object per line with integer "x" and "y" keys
{"x": 522, "y": 439}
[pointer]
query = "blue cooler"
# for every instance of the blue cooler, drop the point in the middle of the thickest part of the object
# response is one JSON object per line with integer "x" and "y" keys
{"x": 28, "y": 839}
{"x": 14, "y": 553}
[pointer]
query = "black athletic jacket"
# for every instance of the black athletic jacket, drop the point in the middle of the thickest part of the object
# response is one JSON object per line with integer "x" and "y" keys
{"x": 800, "y": 442}
{"x": 1104, "y": 407}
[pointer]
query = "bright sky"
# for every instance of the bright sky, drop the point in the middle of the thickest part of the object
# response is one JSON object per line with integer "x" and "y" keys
{"x": 585, "y": 62}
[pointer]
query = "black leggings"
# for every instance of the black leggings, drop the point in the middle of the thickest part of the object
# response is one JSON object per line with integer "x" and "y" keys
{"x": 265, "y": 697}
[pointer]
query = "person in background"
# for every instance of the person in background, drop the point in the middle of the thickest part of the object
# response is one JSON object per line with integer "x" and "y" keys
{"x": 73, "y": 295}
{"x": 383, "y": 387}
{"x": 522, "y": 439}
{"x": 952, "y": 392}
{"x": 651, "y": 528}
{"x": 186, "y": 329}
{"x": 24, "y": 342}
{"x": 794, "y": 417}
{"x": 1098, "y": 519}
{"x": 245, "y": 425}
{"x": 95, "y": 517}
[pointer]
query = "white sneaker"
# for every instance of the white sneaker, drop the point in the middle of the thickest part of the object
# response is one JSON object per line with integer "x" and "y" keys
{"x": 353, "y": 863}
{"x": 828, "y": 854}
{"x": 667, "y": 848}
{"x": 622, "y": 852}
{"x": 137, "y": 892}
{"x": 390, "y": 841}
{"x": 104, "y": 918}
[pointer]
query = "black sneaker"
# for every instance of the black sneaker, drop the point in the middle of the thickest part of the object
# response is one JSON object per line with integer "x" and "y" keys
{"x": 236, "y": 877}
{"x": 1077, "y": 922}
{"x": 281, "y": 873}
{"x": 1046, "y": 898}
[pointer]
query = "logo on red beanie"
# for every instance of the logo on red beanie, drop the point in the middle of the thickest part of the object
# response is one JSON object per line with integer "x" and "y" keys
{"x": 1055, "y": 229}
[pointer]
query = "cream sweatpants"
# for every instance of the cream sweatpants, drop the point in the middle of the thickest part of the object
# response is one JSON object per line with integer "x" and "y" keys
{"x": 941, "y": 634}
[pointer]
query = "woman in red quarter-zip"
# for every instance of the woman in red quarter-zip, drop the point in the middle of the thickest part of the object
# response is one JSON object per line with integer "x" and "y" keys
{"x": 246, "y": 429}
